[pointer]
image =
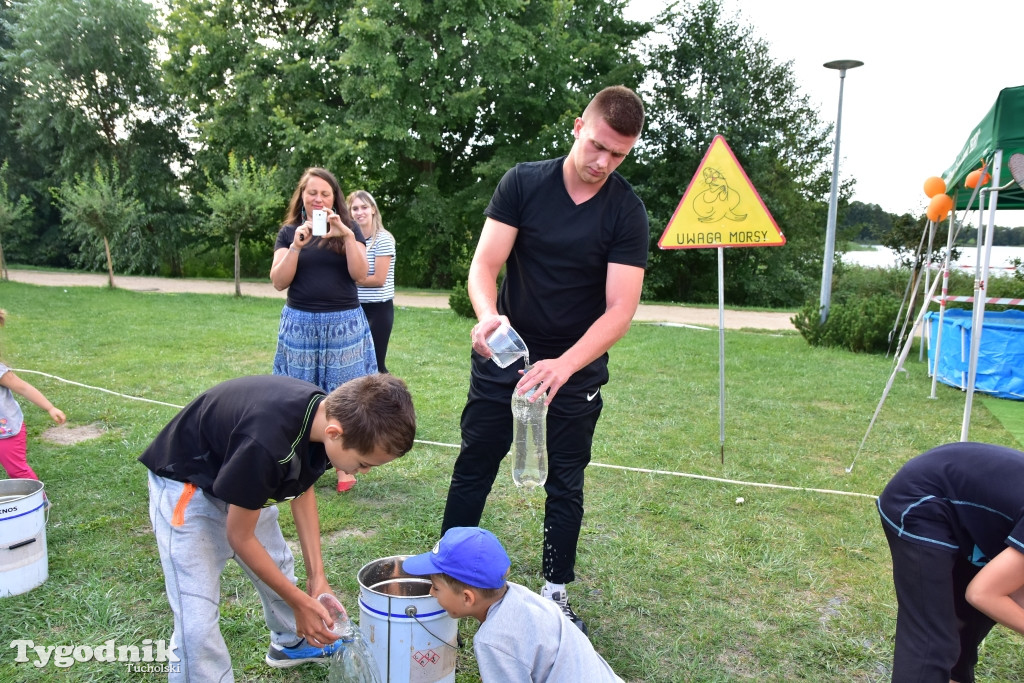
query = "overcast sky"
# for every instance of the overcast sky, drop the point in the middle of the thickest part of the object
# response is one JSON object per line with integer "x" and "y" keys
{"x": 931, "y": 72}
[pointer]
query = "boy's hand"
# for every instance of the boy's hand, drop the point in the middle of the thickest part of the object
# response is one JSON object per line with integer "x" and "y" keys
{"x": 311, "y": 619}
{"x": 309, "y": 614}
{"x": 57, "y": 416}
{"x": 317, "y": 587}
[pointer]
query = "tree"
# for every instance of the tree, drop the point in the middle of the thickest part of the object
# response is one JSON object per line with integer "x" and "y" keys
{"x": 711, "y": 75}
{"x": 246, "y": 204}
{"x": 37, "y": 239}
{"x": 907, "y": 238}
{"x": 425, "y": 104}
{"x": 92, "y": 94}
{"x": 12, "y": 213}
{"x": 86, "y": 71}
{"x": 446, "y": 96}
{"x": 98, "y": 208}
{"x": 253, "y": 77}
{"x": 865, "y": 223}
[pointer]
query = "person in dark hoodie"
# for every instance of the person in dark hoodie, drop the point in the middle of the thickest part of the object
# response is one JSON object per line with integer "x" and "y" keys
{"x": 954, "y": 519}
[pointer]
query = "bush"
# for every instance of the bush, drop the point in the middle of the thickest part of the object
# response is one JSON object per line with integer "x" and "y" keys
{"x": 459, "y": 301}
{"x": 218, "y": 262}
{"x": 859, "y": 325}
{"x": 866, "y": 303}
{"x": 864, "y": 308}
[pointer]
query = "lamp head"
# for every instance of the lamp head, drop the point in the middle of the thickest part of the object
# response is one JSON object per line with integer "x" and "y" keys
{"x": 843, "y": 64}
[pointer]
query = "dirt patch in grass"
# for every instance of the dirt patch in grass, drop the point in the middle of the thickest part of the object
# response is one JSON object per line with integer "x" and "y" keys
{"x": 68, "y": 436}
{"x": 348, "y": 533}
{"x": 331, "y": 538}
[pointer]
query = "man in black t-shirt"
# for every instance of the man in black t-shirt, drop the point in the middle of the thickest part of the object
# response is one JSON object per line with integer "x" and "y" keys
{"x": 215, "y": 473}
{"x": 954, "y": 520}
{"x": 573, "y": 236}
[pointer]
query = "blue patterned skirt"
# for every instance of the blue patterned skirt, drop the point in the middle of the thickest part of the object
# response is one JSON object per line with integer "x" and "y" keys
{"x": 327, "y": 349}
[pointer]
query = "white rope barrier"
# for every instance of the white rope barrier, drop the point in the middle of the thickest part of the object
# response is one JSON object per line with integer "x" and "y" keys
{"x": 455, "y": 445}
{"x": 106, "y": 391}
{"x": 735, "y": 481}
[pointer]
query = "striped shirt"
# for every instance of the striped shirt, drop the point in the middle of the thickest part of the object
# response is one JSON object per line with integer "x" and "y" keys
{"x": 382, "y": 244}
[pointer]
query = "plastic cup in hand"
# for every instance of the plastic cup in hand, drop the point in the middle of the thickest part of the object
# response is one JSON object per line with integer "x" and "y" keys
{"x": 342, "y": 626}
{"x": 506, "y": 346}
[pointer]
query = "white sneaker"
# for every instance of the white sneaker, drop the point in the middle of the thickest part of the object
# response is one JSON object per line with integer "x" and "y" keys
{"x": 561, "y": 598}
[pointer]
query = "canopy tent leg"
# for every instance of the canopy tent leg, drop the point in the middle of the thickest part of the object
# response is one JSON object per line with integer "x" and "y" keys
{"x": 980, "y": 284}
{"x": 892, "y": 378}
{"x": 927, "y": 281}
{"x": 950, "y": 237}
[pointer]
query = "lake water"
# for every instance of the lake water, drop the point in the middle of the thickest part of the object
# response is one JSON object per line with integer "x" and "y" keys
{"x": 882, "y": 257}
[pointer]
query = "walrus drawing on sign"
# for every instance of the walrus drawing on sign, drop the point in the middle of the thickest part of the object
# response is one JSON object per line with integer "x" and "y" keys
{"x": 717, "y": 201}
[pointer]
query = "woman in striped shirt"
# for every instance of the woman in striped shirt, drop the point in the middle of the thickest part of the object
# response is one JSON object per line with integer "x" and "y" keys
{"x": 377, "y": 289}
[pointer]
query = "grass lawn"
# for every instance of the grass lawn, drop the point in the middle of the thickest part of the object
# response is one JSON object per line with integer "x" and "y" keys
{"x": 676, "y": 580}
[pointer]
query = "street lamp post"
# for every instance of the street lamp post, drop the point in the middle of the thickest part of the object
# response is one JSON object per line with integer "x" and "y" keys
{"x": 830, "y": 232}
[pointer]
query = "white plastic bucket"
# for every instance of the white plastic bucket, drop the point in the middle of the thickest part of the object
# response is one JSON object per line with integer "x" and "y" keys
{"x": 23, "y": 564}
{"x": 412, "y": 638}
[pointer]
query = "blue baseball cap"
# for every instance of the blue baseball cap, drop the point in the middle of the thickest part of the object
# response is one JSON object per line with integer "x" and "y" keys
{"x": 470, "y": 554}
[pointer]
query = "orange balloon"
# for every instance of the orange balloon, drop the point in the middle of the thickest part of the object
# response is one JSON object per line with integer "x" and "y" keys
{"x": 934, "y": 185}
{"x": 974, "y": 178}
{"x": 939, "y": 207}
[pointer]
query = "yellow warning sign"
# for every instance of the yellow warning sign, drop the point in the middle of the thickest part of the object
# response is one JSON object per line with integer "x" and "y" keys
{"x": 721, "y": 208}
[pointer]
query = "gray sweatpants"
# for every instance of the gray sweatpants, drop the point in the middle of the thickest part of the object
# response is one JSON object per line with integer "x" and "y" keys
{"x": 193, "y": 556}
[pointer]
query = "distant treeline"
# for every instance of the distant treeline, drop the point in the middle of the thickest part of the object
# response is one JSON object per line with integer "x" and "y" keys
{"x": 871, "y": 224}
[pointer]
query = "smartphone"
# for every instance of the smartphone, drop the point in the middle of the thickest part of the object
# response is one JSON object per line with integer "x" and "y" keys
{"x": 319, "y": 222}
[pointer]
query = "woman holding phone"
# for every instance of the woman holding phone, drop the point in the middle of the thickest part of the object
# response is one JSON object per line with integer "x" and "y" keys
{"x": 324, "y": 337}
{"x": 377, "y": 289}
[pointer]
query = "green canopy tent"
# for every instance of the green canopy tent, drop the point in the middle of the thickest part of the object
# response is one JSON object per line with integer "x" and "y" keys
{"x": 1002, "y": 130}
{"x": 998, "y": 138}
{"x": 998, "y": 141}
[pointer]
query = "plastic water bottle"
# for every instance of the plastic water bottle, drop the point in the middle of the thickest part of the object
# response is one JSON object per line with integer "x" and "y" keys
{"x": 530, "y": 450}
{"x": 352, "y": 662}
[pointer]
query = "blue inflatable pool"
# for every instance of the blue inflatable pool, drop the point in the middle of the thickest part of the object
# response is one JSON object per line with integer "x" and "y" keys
{"x": 1000, "y": 369}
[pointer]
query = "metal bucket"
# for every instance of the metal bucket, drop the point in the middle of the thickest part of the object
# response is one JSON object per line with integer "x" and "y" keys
{"x": 23, "y": 559}
{"x": 412, "y": 638}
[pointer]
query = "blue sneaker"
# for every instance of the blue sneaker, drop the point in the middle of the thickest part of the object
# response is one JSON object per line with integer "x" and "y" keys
{"x": 281, "y": 657}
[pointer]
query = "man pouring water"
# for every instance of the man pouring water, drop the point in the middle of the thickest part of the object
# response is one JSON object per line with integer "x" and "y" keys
{"x": 573, "y": 237}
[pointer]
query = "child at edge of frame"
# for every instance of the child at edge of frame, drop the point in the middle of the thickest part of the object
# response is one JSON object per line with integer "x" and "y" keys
{"x": 523, "y": 637}
{"x": 13, "y": 442}
{"x": 216, "y": 473}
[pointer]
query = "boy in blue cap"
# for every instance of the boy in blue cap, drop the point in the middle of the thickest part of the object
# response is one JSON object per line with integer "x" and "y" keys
{"x": 522, "y": 636}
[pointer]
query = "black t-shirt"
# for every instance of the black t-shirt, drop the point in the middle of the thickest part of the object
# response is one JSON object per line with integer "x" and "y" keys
{"x": 554, "y": 287}
{"x": 961, "y": 497}
{"x": 245, "y": 441}
{"x": 322, "y": 282}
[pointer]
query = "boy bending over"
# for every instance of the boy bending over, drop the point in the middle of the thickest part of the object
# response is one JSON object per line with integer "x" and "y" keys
{"x": 216, "y": 472}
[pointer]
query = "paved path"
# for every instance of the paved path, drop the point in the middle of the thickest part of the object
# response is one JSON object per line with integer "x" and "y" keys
{"x": 650, "y": 313}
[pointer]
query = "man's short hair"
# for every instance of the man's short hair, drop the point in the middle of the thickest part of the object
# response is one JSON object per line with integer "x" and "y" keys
{"x": 374, "y": 411}
{"x": 620, "y": 107}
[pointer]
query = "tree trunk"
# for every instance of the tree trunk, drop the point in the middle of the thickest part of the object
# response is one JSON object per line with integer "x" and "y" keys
{"x": 238, "y": 264}
{"x": 110, "y": 264}
{"x": 3, "y": 265}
